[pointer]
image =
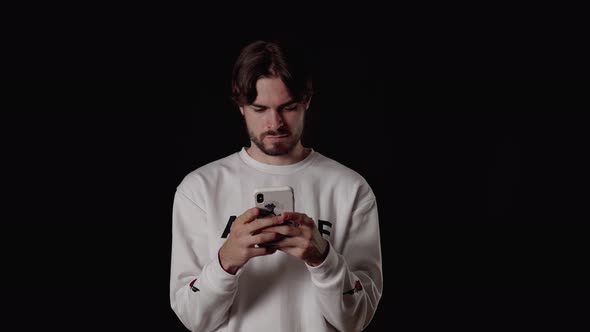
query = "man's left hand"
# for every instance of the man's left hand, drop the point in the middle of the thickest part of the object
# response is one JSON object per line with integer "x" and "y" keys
{"x": 302, "y": 238}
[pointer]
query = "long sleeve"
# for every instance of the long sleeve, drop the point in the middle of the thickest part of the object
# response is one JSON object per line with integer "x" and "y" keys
{"x": 349, "y": 284}
{"x": 201, "y": 292}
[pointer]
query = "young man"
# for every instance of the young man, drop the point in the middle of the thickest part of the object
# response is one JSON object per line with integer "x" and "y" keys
{"x": 322, "y": 271}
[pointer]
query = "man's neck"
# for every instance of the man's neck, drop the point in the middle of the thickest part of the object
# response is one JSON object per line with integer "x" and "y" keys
{"x": 296, "y": 155}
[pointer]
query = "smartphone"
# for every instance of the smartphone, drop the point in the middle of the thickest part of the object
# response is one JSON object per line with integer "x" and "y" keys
{"x": 274, "y": 201}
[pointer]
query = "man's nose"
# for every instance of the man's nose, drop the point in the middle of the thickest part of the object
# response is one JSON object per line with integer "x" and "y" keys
{"x": 275, "y": 119}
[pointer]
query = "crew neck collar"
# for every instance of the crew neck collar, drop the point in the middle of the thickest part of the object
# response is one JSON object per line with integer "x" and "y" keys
{"x": 276, "y": 169}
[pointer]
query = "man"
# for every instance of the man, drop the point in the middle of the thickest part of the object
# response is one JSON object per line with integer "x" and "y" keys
{"x": 319, "y": 272}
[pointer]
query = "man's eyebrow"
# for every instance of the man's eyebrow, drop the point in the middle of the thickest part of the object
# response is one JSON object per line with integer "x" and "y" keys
{"x": 280, "y": 106}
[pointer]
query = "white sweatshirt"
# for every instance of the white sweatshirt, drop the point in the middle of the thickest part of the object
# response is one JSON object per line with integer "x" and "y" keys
{"x": 277, "y": 292}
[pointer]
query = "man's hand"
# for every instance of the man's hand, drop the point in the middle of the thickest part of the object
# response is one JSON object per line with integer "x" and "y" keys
{"x": 243, "y": 240}
{"x": 301, "y": 238}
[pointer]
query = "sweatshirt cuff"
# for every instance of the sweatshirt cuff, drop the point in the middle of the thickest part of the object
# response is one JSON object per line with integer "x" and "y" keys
{"x": 219, "y": 279}
{"x": 328, "y": 268}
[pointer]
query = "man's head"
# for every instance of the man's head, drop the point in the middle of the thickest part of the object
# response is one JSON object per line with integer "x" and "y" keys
{"x": 272, "y": 86}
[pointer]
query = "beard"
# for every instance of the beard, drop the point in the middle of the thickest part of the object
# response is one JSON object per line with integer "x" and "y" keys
{"x": 276, "y": 148}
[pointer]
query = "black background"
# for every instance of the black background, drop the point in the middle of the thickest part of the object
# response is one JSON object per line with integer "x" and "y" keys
{"x": 481, "y": 184}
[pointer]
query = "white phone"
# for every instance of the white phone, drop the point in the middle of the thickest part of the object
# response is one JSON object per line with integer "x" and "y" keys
{"x": 274, "y": 201}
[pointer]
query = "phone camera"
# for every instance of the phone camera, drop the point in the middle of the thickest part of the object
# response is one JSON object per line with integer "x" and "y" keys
{"x": 260, "y": 198}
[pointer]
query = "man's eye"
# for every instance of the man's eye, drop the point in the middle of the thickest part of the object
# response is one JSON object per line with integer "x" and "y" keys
{"x": 290, "y": 108}
{"x": 258, "y": 110}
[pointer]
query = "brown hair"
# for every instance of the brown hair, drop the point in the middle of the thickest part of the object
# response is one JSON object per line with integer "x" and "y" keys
{"x": 262, "y": 59}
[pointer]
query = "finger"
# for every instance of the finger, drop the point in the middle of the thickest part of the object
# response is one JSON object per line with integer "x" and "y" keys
{"x": 294, "y": 217}
{"x": 288, "y": 242}
{"x": 262, "y": 251}
{"x": 284, "y": 230}
{"x": 248, "y": 216}
{"x": 264, "y": 238}
{"x": 306, "y": 220}
{"x": 260, "y": 224}
{"x": 299, "y": 221}
{"x": 291, "y": 223}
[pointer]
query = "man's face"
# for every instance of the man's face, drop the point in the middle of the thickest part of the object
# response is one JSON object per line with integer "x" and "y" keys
{"x": 274, "y": 120}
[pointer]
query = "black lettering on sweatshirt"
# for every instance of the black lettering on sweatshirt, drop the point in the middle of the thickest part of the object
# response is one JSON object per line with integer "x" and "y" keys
{"x": 228, "y": 227}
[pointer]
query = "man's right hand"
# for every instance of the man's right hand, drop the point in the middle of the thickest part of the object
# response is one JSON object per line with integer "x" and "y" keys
{"x": 244, "y": 236}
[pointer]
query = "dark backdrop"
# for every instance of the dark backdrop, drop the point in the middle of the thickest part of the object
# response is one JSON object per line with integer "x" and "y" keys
{"x": 481, "y": 197}
{"x": 481, "y": 185}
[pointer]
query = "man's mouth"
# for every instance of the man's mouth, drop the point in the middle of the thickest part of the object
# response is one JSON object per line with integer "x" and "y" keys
{"x": 277, "y": 137}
